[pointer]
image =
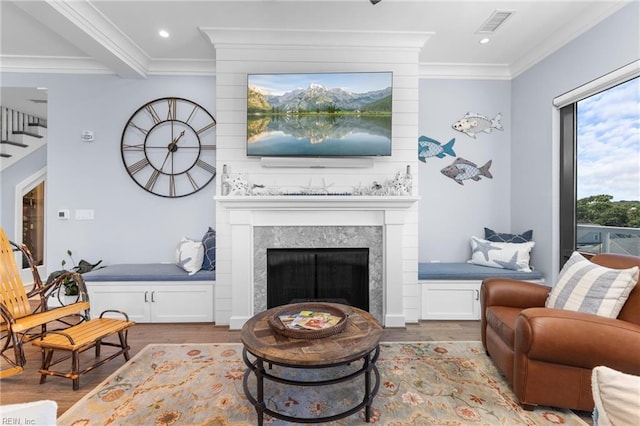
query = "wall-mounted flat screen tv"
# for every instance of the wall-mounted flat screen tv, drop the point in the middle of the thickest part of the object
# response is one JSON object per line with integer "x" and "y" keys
{"x": 320, "y": 115}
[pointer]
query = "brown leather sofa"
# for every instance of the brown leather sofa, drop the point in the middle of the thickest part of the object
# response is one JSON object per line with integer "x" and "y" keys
{"x": 547, "y": 354}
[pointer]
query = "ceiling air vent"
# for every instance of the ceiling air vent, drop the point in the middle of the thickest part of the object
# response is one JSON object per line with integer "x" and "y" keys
{"x": 494, "y": 21}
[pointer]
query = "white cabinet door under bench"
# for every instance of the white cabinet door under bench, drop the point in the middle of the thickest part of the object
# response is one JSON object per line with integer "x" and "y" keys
{"x": 451, "y": 300}
{"x": 146, "y": 301}
{"x": 451, "y": 291}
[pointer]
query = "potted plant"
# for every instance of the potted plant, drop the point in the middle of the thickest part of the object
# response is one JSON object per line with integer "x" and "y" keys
{"x": 69, "y": 282}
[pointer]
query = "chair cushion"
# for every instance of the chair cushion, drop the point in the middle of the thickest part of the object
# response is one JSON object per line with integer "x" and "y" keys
{"x": 586, "y": 287}
{"x": 502, "y": 319}
{"x": 616, "y": 396}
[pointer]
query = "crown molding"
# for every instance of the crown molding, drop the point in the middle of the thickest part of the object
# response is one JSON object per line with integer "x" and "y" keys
{"x": 240, "y": 37}
{"x": 82, "y": 65}
{"x": 199, "y": 67}
{"x": 51, "y": 65}
{"x": 464, "y": 71}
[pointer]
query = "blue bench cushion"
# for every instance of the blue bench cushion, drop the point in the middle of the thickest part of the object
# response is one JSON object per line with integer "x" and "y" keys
{"x": 147, "y": 272}
{"x": 469, "y": 271}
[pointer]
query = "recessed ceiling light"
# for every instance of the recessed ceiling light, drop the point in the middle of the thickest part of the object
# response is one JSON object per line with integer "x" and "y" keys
{"x": 163, "y": 33}
{"x": 485, "y": 40}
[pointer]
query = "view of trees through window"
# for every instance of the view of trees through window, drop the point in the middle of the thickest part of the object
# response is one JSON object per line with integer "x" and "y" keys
{"x": 608, "y": 170}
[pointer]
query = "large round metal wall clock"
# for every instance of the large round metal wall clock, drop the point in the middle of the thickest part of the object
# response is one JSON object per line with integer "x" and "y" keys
{"x": 168, "y": 147}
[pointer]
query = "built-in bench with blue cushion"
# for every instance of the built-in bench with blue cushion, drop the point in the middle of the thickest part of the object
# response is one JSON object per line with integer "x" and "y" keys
{"x": 470, "y": 271}
{"x": 146, "y": 272}
{"x": 153, "y": 292}
{"x": 451, "y": 291}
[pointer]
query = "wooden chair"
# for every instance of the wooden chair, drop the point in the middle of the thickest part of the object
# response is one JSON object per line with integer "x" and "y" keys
{"x": 25, "y": 315}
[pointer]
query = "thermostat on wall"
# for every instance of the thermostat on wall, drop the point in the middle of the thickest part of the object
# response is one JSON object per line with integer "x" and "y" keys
{"x": 63, "y": 214}
{"x": 87, "y": 136}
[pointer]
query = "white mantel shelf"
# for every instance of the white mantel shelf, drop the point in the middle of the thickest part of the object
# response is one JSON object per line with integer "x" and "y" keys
{"x": 316, "y": 202}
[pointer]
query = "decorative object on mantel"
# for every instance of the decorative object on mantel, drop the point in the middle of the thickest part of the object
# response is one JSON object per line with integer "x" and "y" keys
{"x": 462, "y": 169}
{"x": 322, "y": 190}
{"x": 238, "y": 185}
{"x": 473, "y": 123}
{"x": 428, "y": 147}
{"x": 401, "y": 184}
{"x": 225, "y": 187}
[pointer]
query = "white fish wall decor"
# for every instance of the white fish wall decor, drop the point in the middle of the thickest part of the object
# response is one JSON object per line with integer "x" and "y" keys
{"x": 473, "y": 123}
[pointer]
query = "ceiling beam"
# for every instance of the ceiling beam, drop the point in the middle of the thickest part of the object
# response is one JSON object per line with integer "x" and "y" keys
{"x": 85, "y": 27}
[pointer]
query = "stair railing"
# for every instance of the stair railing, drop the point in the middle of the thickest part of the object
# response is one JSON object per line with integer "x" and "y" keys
{"x": 14, "y": 122}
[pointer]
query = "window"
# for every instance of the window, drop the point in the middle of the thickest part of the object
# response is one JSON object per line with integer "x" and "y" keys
{"x": 600, "y": 176}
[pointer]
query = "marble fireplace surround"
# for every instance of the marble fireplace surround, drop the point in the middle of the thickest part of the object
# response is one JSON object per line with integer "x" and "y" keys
{"x": 258, "y": 221}
{"x": 266, "y": 237}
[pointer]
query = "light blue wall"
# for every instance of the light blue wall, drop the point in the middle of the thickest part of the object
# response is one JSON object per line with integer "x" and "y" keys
{"x": 449, "y": 213}
{"x": 535, "y": 150}
{"x": 131, "y": 225}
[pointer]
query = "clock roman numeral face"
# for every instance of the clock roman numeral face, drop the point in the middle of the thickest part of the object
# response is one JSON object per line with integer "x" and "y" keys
{"x": 168, "y": 147}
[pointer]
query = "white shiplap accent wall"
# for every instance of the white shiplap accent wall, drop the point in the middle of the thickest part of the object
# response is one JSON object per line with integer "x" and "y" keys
{"x": 240, "y": 52}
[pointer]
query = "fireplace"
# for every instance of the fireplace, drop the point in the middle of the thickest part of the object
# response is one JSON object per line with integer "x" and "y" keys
{"x": 319, "y": 238}
{"x": 249, "y": 225}
{"x": 338, "y": 275}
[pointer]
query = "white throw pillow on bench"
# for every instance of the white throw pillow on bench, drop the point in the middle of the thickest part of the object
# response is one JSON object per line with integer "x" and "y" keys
{"x": 189, "y": 255}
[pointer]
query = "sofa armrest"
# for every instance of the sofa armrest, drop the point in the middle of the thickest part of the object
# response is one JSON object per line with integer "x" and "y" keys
{"x": 509, "y": 292}
{"x": 578, "y": 339}
{"x": 513, "y": 293}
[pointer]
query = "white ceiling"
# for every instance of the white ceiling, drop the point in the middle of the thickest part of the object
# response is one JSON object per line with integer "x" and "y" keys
{"x": 121, "y": 37}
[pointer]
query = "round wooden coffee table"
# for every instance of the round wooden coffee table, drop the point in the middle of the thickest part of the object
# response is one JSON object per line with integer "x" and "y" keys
{"x": 359, "y": 341}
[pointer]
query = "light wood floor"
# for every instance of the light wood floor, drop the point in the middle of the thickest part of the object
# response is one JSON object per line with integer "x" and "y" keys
{"x": 26, "y": 387}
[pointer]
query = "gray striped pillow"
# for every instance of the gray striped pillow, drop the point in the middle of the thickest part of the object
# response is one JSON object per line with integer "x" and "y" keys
{"x": 584, "y": 286}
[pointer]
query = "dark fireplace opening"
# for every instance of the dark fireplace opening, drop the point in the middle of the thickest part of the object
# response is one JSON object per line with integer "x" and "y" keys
{"x": 339, "y": 275}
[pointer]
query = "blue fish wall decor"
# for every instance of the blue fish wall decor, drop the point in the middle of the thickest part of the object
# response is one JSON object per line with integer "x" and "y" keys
{"x": 462, "y": 169}
{"x": 473, "y": 123}
{"x": 428, "y": 147}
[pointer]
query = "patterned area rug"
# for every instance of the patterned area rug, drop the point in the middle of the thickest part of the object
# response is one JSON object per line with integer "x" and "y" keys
{"x": 426, "y": 383}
